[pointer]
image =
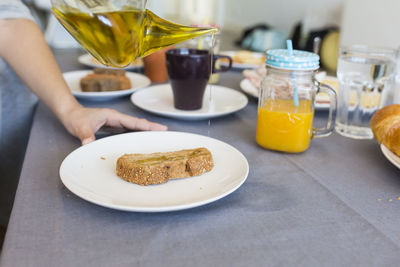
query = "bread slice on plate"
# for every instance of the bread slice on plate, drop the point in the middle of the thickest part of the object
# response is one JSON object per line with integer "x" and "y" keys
{"x": 158, "y": 168}
{"x": 104, "y": 80}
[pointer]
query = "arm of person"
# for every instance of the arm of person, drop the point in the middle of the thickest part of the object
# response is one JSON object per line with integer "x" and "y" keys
{"x": 22, "y": 41}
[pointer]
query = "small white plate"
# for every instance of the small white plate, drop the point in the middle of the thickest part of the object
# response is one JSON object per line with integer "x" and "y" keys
{"x": 393, "y": 158}
{"x": 89, "y": 172}
{"x": 245, "y": 65}
{"x": 73, "y": 79}
{"x": 251, "y": 90}
{"x": 158, "y": 99}
{"x": 88, "y": 60}
{"x": 248, "y": 88}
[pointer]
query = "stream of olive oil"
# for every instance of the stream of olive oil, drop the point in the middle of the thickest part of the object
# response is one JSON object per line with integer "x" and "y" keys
{"x": 210, "y": 99}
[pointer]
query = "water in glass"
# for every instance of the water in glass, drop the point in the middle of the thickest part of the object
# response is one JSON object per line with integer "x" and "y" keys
{"x": 365, "y": 79}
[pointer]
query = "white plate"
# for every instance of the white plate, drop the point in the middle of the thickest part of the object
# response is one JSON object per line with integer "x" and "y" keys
{"x": 88, "y": 60}
{"x": 248, "y": 88}
{"x": 91, "y": 177}
{"x": 73, "y": 80}
{"x": 243, "y": 65}
{"x": 251, "y": 90}
{"x": 158, "y": 99}
{"x": 393, "y": 158}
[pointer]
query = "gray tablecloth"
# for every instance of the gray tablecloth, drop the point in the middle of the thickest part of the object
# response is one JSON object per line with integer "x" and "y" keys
{"x": 334, "y": 205}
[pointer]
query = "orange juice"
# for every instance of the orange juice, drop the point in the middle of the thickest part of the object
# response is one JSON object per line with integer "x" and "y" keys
{"x": 284, "y": 127}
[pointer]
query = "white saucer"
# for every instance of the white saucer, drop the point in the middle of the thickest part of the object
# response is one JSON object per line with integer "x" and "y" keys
{"x": 88, "y": 60}
{"x": 393, "y": 158}
{"x": 158, "y": 99}
{"x": 73, "y": 79}
{"x": 89, "y": 172}
{"x": 248, "y": 88}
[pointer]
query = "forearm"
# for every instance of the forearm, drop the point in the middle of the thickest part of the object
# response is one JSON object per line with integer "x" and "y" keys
{"x": 23, "y": 46}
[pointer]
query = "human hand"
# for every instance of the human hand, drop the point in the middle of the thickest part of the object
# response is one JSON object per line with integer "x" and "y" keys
{"x": 85, "y": 122}
{"x": 79, "y": 121}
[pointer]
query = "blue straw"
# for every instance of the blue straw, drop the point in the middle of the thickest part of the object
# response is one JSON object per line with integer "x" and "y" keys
{"x": 289, "y": 46}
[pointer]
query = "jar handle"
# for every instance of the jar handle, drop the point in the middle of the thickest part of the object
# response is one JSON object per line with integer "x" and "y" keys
{"x": 322, "y": 132}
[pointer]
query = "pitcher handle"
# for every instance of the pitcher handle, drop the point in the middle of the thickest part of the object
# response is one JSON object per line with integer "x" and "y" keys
{"x": 328, "y": 129}
{"x": 221, "y": 69}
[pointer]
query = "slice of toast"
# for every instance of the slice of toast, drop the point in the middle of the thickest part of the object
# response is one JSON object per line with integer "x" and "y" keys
{"x": 104, "y": 82}
{"x": 158, "y": 168}
{"x": 116, "y": 72}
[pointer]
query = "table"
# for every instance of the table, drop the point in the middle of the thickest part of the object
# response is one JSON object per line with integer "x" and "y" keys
{"x": 334, "y": 205}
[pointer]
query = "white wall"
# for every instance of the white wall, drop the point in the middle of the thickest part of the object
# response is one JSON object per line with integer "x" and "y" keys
{"x": 371, "y": 22}
{"x": 163, "y": 8}
{"x": 282, "y": 14}
{"x": 235, "y": 15}
{"x": 190, "y": 11}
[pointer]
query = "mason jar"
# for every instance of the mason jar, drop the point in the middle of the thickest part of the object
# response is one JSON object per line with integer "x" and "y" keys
{"x": 287, "y": 102}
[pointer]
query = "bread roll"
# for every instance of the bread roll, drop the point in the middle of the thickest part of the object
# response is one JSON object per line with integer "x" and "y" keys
{"x": 385, "y": 124}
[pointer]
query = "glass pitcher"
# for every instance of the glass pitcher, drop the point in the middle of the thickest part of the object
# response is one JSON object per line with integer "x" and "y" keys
{"x": 116, "y": 32}
{"x": 286, "y": 102}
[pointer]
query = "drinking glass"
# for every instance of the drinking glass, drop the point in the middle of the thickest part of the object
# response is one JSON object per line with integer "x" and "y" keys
{"x": 365, "y": 77}
{"x": 189, "y": 71}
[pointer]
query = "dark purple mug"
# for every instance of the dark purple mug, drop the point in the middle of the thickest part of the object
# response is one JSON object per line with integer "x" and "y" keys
{"x": 189, "y": 71}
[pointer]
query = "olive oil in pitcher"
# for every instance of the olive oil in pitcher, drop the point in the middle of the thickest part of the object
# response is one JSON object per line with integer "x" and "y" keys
{"x": 116, "y": 38}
